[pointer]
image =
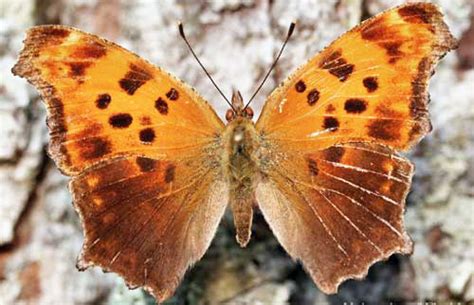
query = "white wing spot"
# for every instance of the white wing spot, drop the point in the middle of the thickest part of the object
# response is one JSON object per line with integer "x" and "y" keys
{"x": 319, "y": 132}
{"x": 280, "y": 106}
{"x": 115, "y": 257}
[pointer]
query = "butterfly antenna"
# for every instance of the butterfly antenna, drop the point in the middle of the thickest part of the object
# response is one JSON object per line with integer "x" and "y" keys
{"x": 181, "y": 32}
{"x": 290, "y": 32}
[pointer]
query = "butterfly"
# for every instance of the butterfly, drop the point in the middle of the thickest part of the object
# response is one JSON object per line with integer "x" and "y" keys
{"x": 153, "y": 167}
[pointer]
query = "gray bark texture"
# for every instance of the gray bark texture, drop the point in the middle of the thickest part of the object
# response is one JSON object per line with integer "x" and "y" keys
{"x": 40, "y": 234}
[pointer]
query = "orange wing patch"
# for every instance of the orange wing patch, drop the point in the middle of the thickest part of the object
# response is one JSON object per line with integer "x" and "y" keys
{"x": 104, "y": 101}
{"x": 369, "y": 85}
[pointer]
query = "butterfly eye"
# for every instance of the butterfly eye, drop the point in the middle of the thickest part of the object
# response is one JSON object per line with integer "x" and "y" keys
{"x": 248, "y": 113}
{"x": 230, "y": 115}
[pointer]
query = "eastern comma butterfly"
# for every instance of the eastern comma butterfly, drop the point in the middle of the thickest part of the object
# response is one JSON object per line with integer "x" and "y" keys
{"x": 153, "y": 167}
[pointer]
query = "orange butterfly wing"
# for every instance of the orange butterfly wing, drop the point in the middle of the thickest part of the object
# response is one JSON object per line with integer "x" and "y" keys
{"x": 336, "y": 189}
{"x": 369, "y": 85}
{"x": 141, "y": 148}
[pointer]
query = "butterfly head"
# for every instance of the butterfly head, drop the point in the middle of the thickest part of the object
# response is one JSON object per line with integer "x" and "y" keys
{"x": 238, "y": 109}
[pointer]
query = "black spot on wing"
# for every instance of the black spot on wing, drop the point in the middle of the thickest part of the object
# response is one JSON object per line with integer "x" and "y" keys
{"x": 134, "y": 79}
{"x": 103, "y": 101}
{"x": 121, "y": 120}
{"x": 371, "y": 83}
{"x": 337, "y": 65}
{"x": 300, "y": 86}
{"x": 342, "y": 72}
{"x": 173, "y": 94}
{"x": 161, "y": 106}
{"x": 313, "y": 96}
{"x": 355, "y": 105}
{"x": 331, "y": 123}
{"x": 147, "y": 135}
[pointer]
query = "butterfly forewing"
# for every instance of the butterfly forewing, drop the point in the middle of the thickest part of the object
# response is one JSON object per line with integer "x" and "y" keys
{"x": 105, "y": 101}
{"x": 333, "y": 189}
{"x": 368, "y": 85}
{"x": 142, "y": 149}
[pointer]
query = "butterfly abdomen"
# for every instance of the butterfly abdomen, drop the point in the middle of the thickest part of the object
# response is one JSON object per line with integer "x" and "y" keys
{"x": 242, "y": 173}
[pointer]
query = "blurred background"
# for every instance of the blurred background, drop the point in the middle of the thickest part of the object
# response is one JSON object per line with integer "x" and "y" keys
{"x": 40, "y": 234}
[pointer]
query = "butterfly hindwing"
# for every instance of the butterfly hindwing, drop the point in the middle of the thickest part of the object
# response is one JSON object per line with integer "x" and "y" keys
{"x": 334, "y": 188}
{"x": 141, "y": 148}
{"x": 338, "y": 210}
{"x": 148, "y": 220}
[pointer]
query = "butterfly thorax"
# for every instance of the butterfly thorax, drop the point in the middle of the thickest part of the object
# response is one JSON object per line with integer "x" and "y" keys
{"x": 241, "y": 168}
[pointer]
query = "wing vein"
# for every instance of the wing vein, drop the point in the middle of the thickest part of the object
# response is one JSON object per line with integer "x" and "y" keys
{"x": 316, "y": 213}
{"x": 385, "y": 198}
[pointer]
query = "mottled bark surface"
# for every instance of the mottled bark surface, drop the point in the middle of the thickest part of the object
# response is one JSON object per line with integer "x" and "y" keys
{"x": 40, "y": 234}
